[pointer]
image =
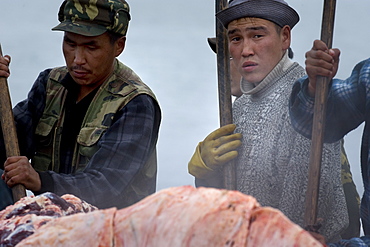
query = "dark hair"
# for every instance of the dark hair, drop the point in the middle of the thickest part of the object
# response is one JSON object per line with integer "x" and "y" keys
{"x": 113, "y": 37}
{"x": 278, "y": 28}
{"x": 290, "y": 51}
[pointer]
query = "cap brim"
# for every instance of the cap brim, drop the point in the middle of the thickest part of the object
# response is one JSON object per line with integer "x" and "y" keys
{"x": 212, "y": 44}
{"x": 85, "y": 29}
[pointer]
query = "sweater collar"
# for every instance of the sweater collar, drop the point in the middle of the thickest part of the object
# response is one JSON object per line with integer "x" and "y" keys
{"x": 280, "y": 68}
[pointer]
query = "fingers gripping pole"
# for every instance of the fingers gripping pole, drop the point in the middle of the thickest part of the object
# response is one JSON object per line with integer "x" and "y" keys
{"x": 9, "y": 131}
{"x": 319, "y": 121}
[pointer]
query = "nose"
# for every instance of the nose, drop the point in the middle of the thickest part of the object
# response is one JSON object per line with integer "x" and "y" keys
{"x": 79, "y": 55}
{"x": 247, "y": 48}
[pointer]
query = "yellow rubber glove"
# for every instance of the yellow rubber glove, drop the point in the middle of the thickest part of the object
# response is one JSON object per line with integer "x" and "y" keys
{"x": 218, "y": 148}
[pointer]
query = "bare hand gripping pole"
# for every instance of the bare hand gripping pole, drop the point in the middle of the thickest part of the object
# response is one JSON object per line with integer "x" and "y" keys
{"x": 319, "y": 121}
{"x": 9, "y": 131}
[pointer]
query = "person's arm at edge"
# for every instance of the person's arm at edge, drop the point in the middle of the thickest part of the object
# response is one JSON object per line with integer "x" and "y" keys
{"x": 363, "y": 241}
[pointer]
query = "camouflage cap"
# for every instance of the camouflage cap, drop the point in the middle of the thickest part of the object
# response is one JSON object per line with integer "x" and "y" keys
{"x": 93, "y": 17}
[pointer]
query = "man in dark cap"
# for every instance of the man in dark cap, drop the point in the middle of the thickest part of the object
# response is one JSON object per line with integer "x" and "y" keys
{"x": 350, "y": 191}
{"x": 272, "y": 160}
{"x": 89, "y": 128}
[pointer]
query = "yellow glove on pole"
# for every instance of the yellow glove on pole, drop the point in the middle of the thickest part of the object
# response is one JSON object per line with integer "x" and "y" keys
{"x": 217, "y": 149}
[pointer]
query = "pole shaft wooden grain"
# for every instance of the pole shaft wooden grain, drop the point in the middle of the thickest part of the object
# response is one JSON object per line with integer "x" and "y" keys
{"x": 319, "y": 121}
{"x": 9, "y": 131}
{"x": 224, "y": 90}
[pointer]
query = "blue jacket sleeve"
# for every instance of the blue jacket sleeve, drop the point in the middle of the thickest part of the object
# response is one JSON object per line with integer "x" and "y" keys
{"x": 347, "y": 104}
{"x": 353, "y": 242}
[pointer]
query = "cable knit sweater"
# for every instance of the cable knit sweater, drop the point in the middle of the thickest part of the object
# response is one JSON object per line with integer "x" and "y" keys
{"x": 273, "y": 160}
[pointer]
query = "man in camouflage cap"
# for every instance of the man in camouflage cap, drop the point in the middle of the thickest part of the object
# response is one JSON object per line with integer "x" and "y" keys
{"x": 90, "y": 128}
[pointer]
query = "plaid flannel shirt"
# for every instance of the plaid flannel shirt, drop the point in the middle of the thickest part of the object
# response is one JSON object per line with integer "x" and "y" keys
{"x": 348, "y": 106}
{"x": 124, "y": 148}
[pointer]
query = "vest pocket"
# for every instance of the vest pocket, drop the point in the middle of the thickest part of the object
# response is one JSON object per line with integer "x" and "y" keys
{"x": 43, "y": 130}
{"x": 88, "y": 139}
{"x": 44, "y": 139}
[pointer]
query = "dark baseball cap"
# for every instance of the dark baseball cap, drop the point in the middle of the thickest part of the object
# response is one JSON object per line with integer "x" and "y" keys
{"x": 93, "y": 18}
{"x": 277, "y": 11}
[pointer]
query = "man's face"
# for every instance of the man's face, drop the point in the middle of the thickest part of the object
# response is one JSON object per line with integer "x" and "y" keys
{"x": 256, "y": 46}
{"x": 90, "y": 60}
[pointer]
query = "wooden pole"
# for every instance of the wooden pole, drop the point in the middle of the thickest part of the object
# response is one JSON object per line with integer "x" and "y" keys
{"x": 224, "y": 90}
{"x": 319, "y": 121}
{"x": 9, "y": 131}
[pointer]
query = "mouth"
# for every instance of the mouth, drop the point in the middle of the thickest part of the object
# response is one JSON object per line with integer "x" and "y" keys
{"x": 79, "y": 73}
{"x": 249, "y": 66}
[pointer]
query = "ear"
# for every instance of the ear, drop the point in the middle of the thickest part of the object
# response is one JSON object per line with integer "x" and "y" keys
{"x": 120, "y": 45}
{"x": 285, "y": 37}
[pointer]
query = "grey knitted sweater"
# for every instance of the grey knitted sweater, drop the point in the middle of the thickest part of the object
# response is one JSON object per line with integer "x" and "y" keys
{"x": 273, "y": 160}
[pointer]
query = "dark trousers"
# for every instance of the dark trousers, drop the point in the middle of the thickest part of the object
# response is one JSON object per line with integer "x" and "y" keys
{"x": 6, "y": 196}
